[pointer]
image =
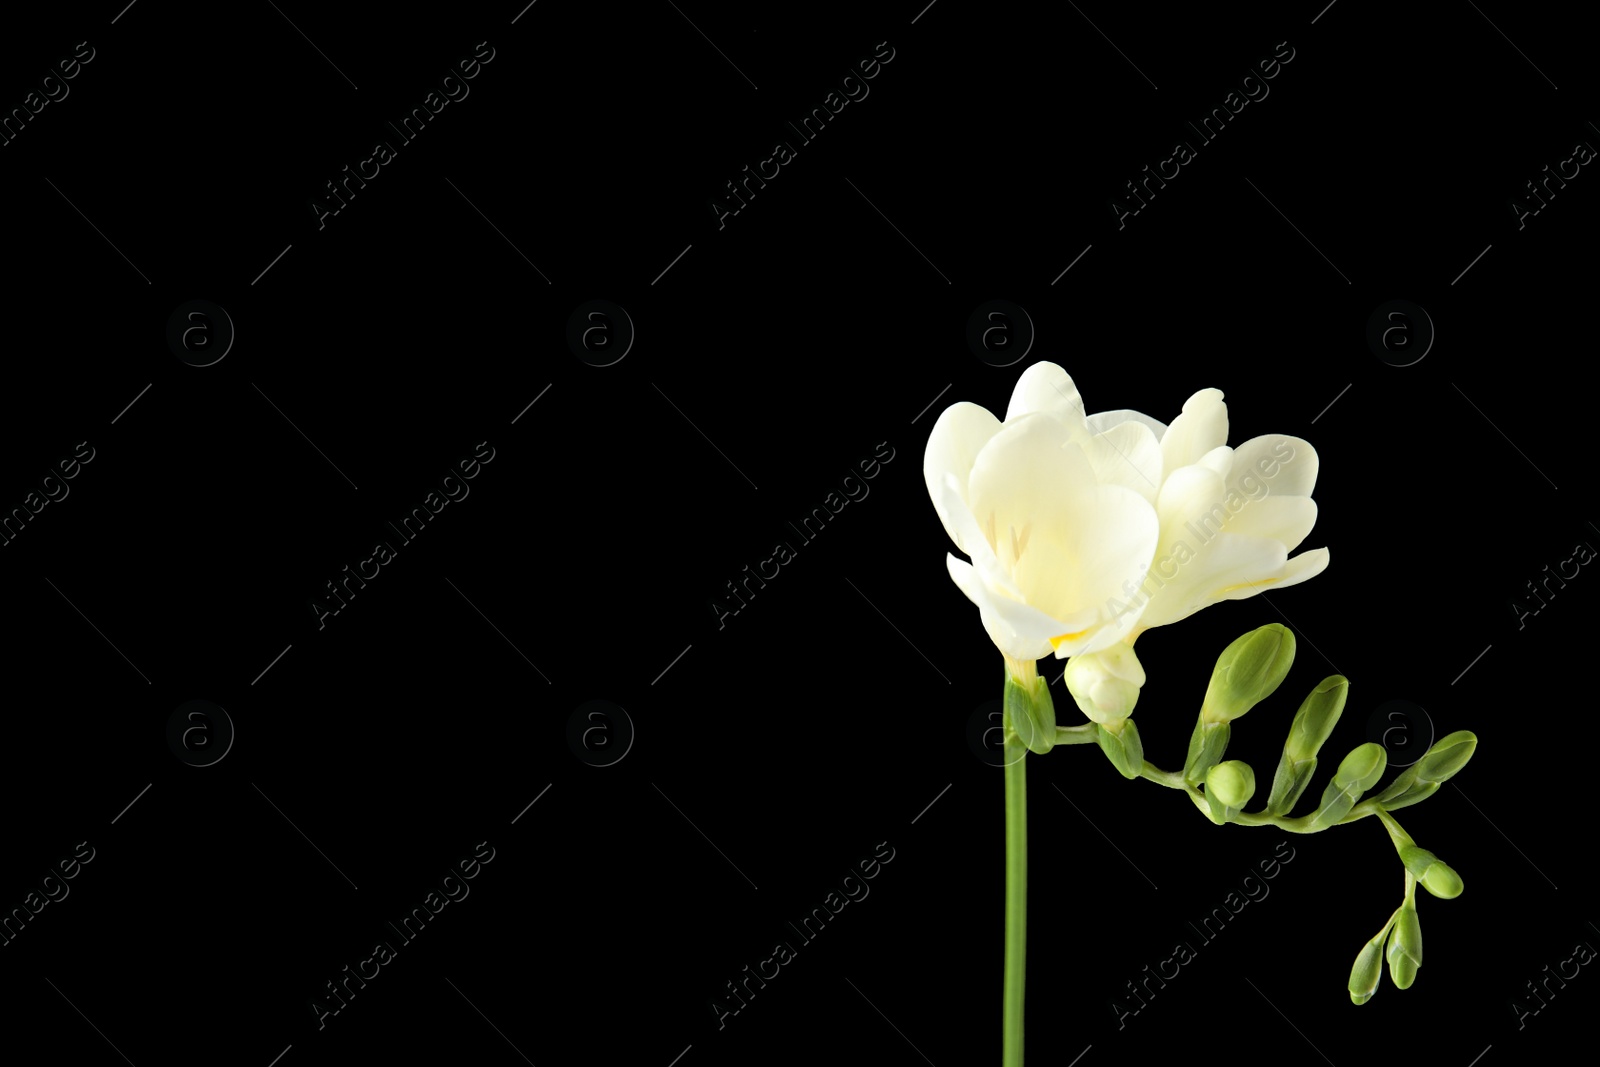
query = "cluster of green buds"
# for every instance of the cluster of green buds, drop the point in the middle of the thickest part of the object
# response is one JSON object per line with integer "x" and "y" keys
{"x": 1105, "y": 685}
{"x": 1423, "y": 778}
{"x": 1404, "y": 930}
{"x": 1247, "y": 673}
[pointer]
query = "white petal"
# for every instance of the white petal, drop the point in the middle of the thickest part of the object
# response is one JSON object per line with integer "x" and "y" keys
{"x": 965, "y": 577}
{"x": 1191, "y": 494}
{"x": 1046, "y": 388}
{"x": 957, "y": 437}
{"x": 1127, "y": 454}
{"x": 1026, "y": 478}
{"x": 1219, "y": 459}
{"x": 996, "y": 592}
{"x": 1283, "y": 518}
{"x": 1019, "y": 648}
{"x": 1306, "y": 565}
{"x": 1086, "y": 571}
{"x": 1054, "y": 548}
{"x": 964, "y": 530}
{"x": 1225, "y": 567}
{"x": 1004, "y": 637}
{"x": 1287, "y": 466}
{"x": 1202, "y": 427}
{"x": 1102, "y": 421}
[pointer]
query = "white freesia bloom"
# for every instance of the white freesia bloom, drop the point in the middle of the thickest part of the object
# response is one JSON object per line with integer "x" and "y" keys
{"x": 1086, "y": 530}
{"x": 1058, "y": 519}
{"x": 1229, "y": 516}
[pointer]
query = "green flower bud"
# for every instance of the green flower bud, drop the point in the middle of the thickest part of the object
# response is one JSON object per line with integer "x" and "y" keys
{"x": 1422, "y": 779}
{"x": 1368, "y": 967}
{"x": 1436, "y": 877}
{"x": 1232, "y": 782}
{"x": 1442, "y": 881}
{"x": 1312, "y": 726}
{"x": 1447, "y": 756}
{"x": 1405, "y": 947}
{"x": 1362, "y": 768}
{"x": 1122, "y": 747}
{"x": 1206, "y": 746}
{"x": 1356, "y": 774}
{"x": 1229, "y": 786}
{"x": 1247, "y": 672}
{"x": 1030, "y": 711}
{"x": 1402, "y": 972}
{"x": 1318, "y": 715}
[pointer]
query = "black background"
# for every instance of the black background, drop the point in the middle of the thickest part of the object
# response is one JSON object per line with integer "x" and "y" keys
{"x": 772, "y": 354}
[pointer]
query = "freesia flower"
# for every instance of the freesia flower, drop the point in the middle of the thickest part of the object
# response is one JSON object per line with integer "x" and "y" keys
{"x": 1087, "y": 530}
{"x": 1058, "y": 518}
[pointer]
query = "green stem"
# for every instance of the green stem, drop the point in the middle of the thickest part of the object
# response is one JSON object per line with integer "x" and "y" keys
{"x": 1016, "y": 897}
{"x": 1076, "y": 735}
{"x": 1170, "y": 779}
{"x": 1397, "y": 833}
{"x": 1386, "y": 927}
{"x": 1301, "y": 825}
{"x": 1174, "y": 780}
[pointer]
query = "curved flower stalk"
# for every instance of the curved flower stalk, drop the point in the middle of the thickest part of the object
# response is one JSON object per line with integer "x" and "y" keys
{"x": 1083, "y": 531}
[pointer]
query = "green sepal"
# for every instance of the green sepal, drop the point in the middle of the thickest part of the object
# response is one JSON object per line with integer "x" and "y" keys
{"x": 1436, "y": 876}
{"x": 1206, "y": 746}
{"x": 1406, "y": 782}
{"x": 1418, "y": 792}
{"x": 1289, "y": 783}
{"x": 1124, "y": 750}
{"x": 1417, "y": 859}
{"x": 1335, "y": 805}
{"x": 1356, "y": 774}
{"x": 1031, "y": 713}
